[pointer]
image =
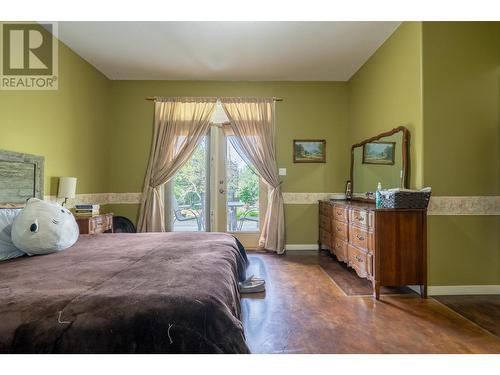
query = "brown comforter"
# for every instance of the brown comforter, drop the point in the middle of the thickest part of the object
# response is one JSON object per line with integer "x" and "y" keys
{"x": 125, "y": 293}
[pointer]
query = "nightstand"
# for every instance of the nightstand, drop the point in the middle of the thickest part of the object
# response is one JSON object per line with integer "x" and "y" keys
{"x": 95, "y": 224}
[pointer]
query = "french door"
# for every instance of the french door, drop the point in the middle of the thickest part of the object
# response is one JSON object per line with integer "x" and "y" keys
{"x": 216, "y": 190}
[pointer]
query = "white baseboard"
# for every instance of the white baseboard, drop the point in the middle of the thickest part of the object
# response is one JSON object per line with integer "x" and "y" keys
{"x": 454, "y": 290}
{"x": 293, "y": 247}
{"x": 463, "y": 290}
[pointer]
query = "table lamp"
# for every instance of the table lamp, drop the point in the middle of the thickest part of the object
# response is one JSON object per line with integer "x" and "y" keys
{"x": 67, "y": 188}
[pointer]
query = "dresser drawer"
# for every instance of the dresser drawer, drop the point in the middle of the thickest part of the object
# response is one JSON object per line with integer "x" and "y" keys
{"x": 358, "y": 237}
{"x": 340, "y": 249}
{"x": 340, "y": 213}
{"x": 358, "y": 259}
{"x": 95, "y": 224}
{"x": 98, "y": 224}
{"x": 359, "y": 217}
{"x": 325, "y": 238}
{"x": 339, "y": 230}
{"x": 324, "y": 222}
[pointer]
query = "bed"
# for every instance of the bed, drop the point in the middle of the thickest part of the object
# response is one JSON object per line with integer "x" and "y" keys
{"x": 126, "y": 293}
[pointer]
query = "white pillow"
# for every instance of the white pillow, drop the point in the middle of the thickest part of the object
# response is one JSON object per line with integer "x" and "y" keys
{"x": 7, "y": 248}
{"x": 44, "y": 227}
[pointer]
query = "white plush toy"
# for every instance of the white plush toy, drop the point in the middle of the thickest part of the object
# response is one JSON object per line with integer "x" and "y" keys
{"x": 43, "y": 228}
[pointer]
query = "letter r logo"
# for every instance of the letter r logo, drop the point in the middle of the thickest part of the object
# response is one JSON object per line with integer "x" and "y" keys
{"x": 27, "y": 49}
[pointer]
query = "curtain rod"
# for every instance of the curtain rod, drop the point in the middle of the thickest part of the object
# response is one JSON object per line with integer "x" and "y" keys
{"x": 154, "y": 98}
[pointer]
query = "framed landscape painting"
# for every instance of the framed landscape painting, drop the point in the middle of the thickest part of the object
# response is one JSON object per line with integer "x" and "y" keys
{"x": 309, "y": 151}
{"x": 379, "y": 153}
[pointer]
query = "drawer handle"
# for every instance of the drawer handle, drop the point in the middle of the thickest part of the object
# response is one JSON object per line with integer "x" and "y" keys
{"x": 339, "y": 213}
{"x": 360, "y": 218}
{"x": 361, "y": 238}
{"x": 358, "y": 258}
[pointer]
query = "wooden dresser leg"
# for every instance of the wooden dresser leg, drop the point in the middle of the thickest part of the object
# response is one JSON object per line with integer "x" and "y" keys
{"x": 376, "y": 290}
{"x": 423, "y": 291}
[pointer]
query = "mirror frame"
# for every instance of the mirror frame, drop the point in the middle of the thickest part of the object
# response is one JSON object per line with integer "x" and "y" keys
{"x": 405, "y": 151}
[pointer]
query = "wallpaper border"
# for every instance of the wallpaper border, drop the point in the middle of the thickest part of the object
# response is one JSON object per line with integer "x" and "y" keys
{"x": 438, "y": 206}
{"x": 474, "y": 205}
{"x": 100, "y": 198}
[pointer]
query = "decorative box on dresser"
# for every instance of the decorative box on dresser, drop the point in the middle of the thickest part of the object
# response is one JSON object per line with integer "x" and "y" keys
{"x": 385, "y": 246}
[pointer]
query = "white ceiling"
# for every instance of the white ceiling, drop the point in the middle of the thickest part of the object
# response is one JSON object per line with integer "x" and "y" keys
{"x": 253, "y": 51}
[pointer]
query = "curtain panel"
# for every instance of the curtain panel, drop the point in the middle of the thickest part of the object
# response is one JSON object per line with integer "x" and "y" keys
{"x": 179, "y": 125}
{"x": 252, "y": 123}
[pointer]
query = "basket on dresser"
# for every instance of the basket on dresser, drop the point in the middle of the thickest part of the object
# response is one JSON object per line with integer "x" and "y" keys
{"x": 404, "y": 199}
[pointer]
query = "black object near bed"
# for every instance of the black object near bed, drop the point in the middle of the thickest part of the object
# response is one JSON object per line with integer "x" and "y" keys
{"x": 123, "y": 225}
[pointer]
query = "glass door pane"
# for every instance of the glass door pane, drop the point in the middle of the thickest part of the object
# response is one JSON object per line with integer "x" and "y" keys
{"x": 216, "y": 190}
{"x": 243, "y": 190}
{"x": 188, "y": 193}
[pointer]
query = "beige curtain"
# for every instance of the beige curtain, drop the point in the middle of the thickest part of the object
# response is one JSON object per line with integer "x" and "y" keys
{"x": 179, "y": 125}
{"x": 252, "y": 122}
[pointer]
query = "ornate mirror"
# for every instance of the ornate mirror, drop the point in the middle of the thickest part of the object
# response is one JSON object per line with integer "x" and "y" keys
{"x": 383, "y": 158}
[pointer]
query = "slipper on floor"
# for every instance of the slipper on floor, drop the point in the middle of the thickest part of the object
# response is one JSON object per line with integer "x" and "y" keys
{"x": 252, "y": 286}
{"x": 253, "y": 278}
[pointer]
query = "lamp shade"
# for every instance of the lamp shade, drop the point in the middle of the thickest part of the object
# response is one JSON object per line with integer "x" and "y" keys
{"x": 67, "y": 187}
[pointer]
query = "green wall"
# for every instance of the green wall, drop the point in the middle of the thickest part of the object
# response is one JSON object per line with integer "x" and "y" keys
{"x": 66, "y": 125}
{"x": 309, "y": 110}
{"x": 461, "y": 91}
{"x": 462, "y": 107}
{"x": 442, "y": 80}
{"x": 386, "y": 92}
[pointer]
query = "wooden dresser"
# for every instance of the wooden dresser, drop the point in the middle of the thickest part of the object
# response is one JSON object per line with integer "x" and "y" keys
{"x": 95, "y": 224}
{"x": 385, "y": 246}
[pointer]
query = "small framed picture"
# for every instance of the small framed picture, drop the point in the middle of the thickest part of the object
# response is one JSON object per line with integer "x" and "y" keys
{"x": 379, "y": 153}
{"x": 309, "y": 151}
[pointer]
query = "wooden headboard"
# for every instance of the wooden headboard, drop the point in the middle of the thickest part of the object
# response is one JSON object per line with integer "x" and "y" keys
{"x": 21, "y": 177}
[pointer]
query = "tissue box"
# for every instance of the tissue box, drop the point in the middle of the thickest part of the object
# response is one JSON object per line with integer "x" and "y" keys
{"x": 404, "y": 199}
